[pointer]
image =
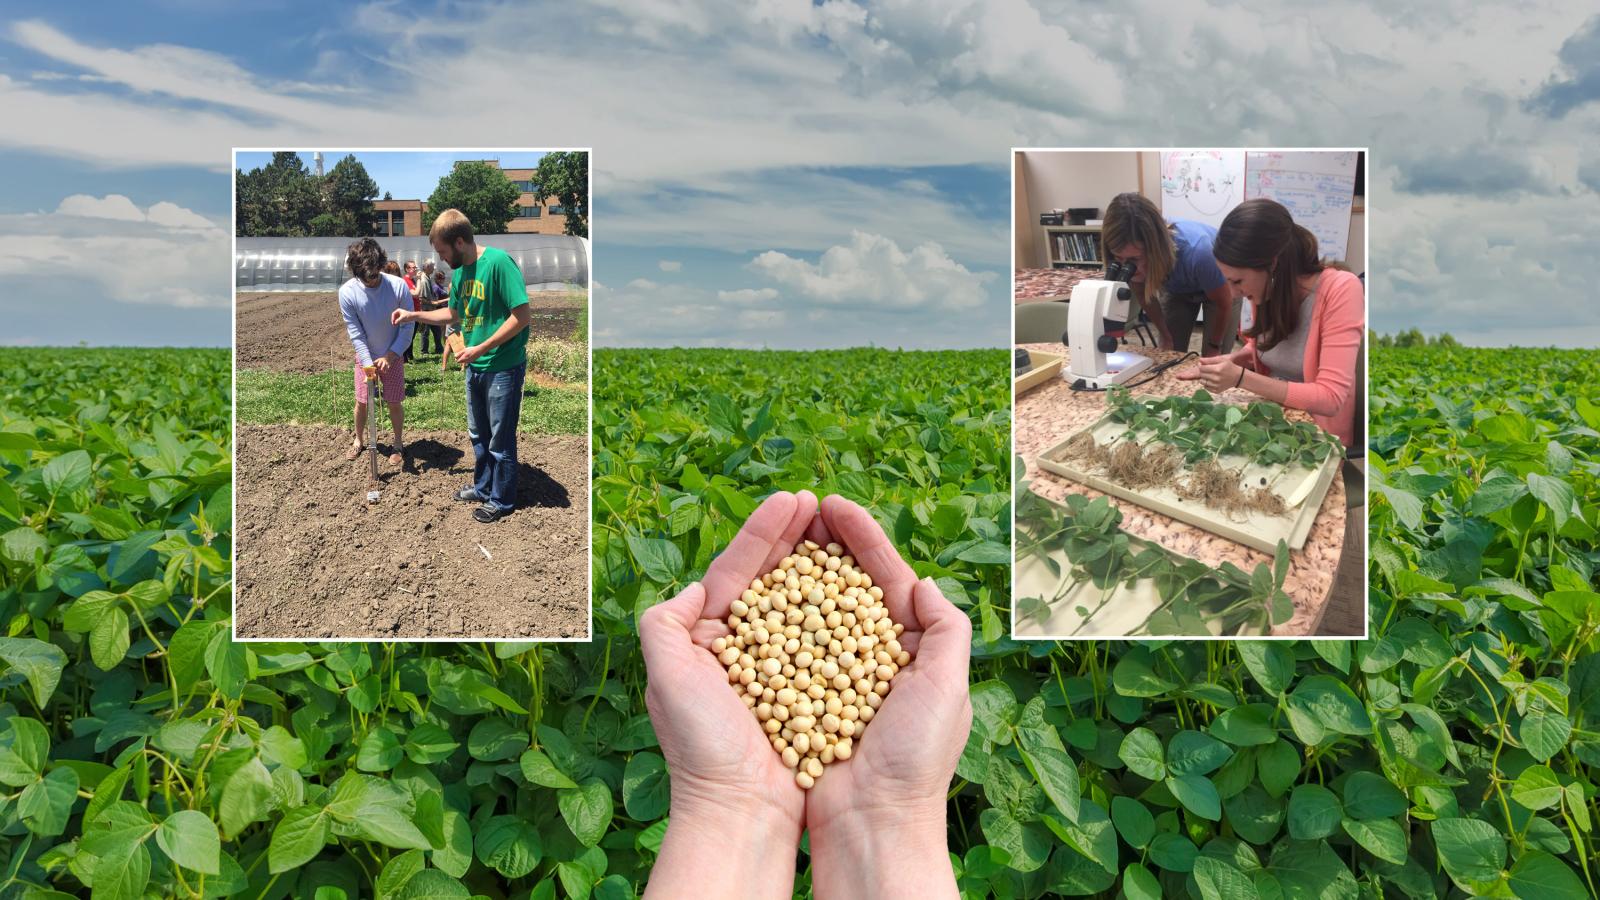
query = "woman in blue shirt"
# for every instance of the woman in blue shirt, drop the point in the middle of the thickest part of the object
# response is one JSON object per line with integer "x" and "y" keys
{"x": 1176, "y": 258}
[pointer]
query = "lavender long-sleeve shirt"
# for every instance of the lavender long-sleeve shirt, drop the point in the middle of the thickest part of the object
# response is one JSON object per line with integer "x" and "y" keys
{"x": 366, "y": 314}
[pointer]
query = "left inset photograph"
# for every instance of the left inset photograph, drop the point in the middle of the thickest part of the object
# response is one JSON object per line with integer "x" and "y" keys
{"x": 411, "y": 394}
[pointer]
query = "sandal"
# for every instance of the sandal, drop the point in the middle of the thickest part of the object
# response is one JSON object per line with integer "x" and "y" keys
{"x": 397, "y": 459}
{"x": 487, "y": 514}
{"x": 352, "y": 453}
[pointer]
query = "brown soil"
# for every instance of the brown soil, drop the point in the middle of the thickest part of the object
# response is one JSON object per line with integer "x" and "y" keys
{"x": 314, "y": 560}
{"x": 305, "y": 333}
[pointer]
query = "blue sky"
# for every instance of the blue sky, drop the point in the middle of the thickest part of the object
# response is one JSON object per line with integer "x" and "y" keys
{"x": 799, "y": 174}
{"x": 405, "y": 175}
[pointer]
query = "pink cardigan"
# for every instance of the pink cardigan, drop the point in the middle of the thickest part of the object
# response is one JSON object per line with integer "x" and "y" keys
{"x": 1332, "y": 345}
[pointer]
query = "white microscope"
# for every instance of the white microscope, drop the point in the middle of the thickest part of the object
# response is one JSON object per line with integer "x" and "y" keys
{"x": 1096, "y": 363}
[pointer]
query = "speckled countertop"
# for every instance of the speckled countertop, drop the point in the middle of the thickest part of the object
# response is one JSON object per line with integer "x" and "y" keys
{"x": 1050, "y": 413}
{"x": 1036, "y": 285}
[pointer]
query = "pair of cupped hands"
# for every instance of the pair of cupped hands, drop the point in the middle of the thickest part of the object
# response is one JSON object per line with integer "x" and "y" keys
{"x": 736, "y": 812}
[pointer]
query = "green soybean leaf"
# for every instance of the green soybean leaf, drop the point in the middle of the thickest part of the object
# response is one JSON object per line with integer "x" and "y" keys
{"x": 1133, "y": 821}
{"x": 379, "y": 751}
{"x": 1141, "y": 752}
{"x": 1057, "y": 775}
{"x": 538, "y": 768}
{"x": 108, "y": 642}
{"x": 509, "y": 845}
{"x": 1539, "y": 874}
{"x": 1139, "y": 884}
{"x": 1197, "y": 794}
{"x": 1368, "y": 795}
{"x": 1544, "y": 733}
{"x": 646, "y": 787}
{"x": 1320, "y": 704}
{"x": 1221, "y": 880}
{"x": 659, "y": 559}
{"x": 1383, "y": 838}
{"x": 1314, "y": 812}
{"x": 40, "y": 663}
{"x": 1195, "y": 753}
{"x": 189, "y": 838}
{"x": 587, "y": 810}
{"x": 1470, "y": 850}
{"x": 1537, "y": 788}
{"x": 1270, "y": 663}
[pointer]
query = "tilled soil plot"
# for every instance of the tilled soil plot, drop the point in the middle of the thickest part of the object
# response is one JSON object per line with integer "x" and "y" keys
{"x": 314, "y": 560}
{"x": 305, "y": 333}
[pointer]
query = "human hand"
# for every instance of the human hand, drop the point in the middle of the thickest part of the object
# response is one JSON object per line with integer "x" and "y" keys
{"x": 1216, "y": 373}
{"x": 467, "y": 354}
{"x": 383, "y": 362}
{"x": 883, "y": 810}
{"x": 735, "y": 805}
{"x": 401, "y": 316}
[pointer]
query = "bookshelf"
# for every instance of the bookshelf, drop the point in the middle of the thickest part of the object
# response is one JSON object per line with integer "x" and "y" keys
{"x": 1073, "y": 245}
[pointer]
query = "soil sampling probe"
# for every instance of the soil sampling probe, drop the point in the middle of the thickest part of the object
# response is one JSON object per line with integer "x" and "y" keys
{"x": 374, "y": 403}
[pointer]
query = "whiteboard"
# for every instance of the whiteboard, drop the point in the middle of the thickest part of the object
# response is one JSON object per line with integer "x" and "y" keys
{"x": 1201, "y": 185}
{"x": 1317, "y": 186}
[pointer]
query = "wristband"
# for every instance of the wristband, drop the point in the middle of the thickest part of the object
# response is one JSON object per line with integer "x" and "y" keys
{"x": 1241, "y": 377}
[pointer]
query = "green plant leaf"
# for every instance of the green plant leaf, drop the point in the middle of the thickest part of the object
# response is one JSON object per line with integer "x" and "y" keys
{"x": 646, "y": 787}
{"x": 1314, "y": 812}
{"x": 509, "y": 845}
{"x": 1197, "y": 794}
{"x": 1470, "y": 850}
{"x": 1142, "y": 753}
{"x": 189, "y": 838}
{"x": 587, "y": 810}
{"x": 297, "y": 839}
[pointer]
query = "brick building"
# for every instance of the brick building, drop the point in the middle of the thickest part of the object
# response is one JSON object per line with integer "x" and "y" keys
{"x": 535, "y": 215}
{"x": 399, "y": 218}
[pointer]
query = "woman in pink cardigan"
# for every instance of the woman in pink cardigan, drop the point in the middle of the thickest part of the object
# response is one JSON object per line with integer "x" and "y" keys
{"x": 1302, "y": 349}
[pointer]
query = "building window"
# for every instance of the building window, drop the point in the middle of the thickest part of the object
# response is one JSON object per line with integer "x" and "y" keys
{"x": 557, "y": 209}
{"x": 528, "y": 212}
{"x": 383, "y": 226}
{"x": 524, "y": 186}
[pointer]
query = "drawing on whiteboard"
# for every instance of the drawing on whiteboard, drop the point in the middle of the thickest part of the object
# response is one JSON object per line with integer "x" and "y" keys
{"x": 1317, "y": 188}
{"x": 1205, "y": 189}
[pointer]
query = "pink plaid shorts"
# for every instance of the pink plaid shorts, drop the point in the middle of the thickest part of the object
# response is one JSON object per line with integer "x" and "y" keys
{"x": 394, "y": 383}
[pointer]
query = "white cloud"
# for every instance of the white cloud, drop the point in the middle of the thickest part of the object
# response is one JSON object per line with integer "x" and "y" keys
{"x": 798, "y": 209}
{"x": 735, "y": 113}
{"x": 119, "y": 207}
{"x": 165, "y": 255}
{"x": 669, "y": 265}
{"x": 873, "y": 270}
{"x": 748, "y": 296}
{"x": 111, "y": 206}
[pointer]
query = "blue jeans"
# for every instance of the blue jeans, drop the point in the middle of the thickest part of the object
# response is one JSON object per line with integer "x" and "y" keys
{"x": 494, "y": 400}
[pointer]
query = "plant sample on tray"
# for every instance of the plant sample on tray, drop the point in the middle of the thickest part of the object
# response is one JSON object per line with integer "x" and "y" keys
{"x": 1193, "y": 595}
{"x": 1175, "y": 435}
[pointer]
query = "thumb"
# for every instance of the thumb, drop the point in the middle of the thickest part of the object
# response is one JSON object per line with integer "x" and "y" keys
{"x": 946, "y": 642}
{"x": 664, "y": 630}
{"x": 1188, "y": 374}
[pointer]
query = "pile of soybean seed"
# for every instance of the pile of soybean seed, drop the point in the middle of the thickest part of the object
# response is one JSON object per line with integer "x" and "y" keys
{"x": 812, "y": 652}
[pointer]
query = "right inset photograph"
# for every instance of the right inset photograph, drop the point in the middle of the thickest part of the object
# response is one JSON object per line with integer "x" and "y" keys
{"x": 1189, "y": 401}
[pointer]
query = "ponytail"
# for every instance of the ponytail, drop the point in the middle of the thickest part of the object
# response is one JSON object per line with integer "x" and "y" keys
{"x": 1260, "y": 234}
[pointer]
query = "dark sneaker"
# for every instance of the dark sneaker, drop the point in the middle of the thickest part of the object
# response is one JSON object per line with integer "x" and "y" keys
{"x": 467, "y": 495}
{"x": 487, "y": 514}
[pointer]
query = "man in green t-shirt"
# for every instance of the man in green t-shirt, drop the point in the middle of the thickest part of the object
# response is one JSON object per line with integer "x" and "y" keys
{"x": 489, "y": 299}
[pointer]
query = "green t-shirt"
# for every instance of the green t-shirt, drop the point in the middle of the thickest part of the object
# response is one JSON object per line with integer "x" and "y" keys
{"x": 483, "y": 294}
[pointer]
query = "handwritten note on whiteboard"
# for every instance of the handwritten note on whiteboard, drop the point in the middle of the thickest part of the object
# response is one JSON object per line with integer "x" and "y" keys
{"x": 1201, "y": 185}
{"x": 1318, "y": 187}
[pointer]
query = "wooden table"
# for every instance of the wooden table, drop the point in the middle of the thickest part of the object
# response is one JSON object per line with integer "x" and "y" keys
{"x": 1039, "y": 285}
{"x": 1050, "y": 413}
